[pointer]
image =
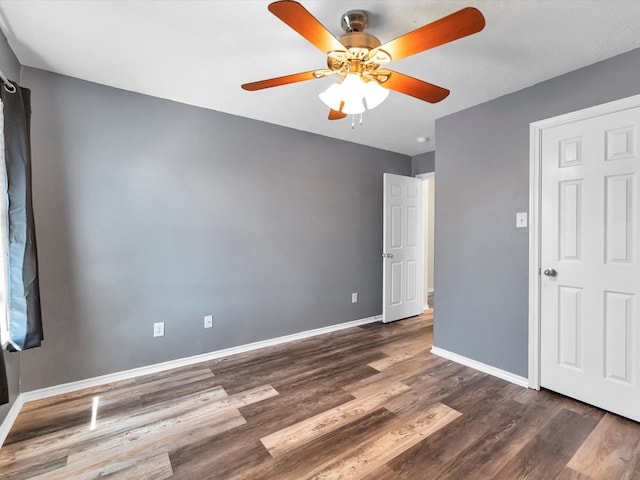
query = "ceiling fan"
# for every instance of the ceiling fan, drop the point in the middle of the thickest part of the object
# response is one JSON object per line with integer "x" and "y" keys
{"x": 357, "y": 57}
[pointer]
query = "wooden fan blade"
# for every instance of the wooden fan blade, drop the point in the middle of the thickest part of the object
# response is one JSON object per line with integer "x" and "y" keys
{"x": 298, "y": 18}
{"x": 335, "y": 114}
{"x": 275, "y": 82}
{"x": 414, "y": 87}
{"x": 452, "y": 27}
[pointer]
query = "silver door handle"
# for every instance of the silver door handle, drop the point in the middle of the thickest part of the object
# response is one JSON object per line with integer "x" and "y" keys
{"x": 387, "y": 255}
{"x": 550, "y": 272}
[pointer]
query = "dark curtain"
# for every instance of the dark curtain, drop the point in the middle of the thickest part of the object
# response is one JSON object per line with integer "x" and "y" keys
{"x": 25, "y": 322}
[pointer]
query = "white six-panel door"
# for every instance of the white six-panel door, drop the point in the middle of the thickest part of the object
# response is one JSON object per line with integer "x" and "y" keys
{"x": 590, "y": 261}
{"x": 402, "y": 248}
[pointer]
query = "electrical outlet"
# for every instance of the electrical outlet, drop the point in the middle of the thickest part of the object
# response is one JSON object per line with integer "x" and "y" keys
{"x": 354, "y": 297}
{"x": 208, "y": 321}
{"x": 158, "y": 329}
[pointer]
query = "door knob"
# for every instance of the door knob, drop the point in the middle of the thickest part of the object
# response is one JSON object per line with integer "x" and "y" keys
{"x": 550, "y": 272}
{"x": 387, "y": 255}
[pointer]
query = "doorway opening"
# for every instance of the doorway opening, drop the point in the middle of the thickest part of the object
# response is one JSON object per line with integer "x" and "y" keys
{"x": 429, "y": 198}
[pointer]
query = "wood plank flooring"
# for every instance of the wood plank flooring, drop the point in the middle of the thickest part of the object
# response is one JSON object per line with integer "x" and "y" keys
{"x": 368, "y": 403}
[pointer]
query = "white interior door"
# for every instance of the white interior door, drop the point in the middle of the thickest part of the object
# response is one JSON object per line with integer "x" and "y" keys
{"x": 402, "y": 247}
{"x": 590, "y": 261}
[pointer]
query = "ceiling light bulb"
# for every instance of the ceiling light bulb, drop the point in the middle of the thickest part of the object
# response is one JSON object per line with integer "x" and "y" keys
{"x": 374, "y": 94}
{"x": 332, "y": 96}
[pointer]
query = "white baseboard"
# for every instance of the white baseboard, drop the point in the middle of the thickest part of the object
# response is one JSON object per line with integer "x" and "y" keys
{"x": 160, "y": 367}
{"x": 482, "y": 367}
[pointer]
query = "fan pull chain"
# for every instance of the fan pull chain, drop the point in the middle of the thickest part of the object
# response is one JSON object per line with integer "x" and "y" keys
{"x": 353, "y": 121}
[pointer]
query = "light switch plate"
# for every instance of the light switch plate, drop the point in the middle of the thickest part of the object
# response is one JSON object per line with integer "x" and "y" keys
{"x": 521, "y": 220}
{"x": 354, "y": 297}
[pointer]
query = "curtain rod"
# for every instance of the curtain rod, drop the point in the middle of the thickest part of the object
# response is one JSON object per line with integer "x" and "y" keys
{"x": 8, "y": 86}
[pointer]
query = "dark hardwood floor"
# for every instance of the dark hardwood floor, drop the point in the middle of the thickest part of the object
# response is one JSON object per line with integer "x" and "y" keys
{"x": 370, "y": 402}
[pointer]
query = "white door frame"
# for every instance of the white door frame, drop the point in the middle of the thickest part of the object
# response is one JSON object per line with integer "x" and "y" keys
{"x": 425, "y": 215}
{"x": 425, "y": 175}
{"x": 535, "y": 208}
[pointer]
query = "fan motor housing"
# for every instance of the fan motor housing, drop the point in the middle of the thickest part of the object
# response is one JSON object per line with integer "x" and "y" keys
{"x": 359, "y": 40}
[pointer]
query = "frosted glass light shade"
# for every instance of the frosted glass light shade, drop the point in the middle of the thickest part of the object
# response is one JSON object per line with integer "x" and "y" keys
{"x": 352, "y": 88}
{"x": 353, "y": 107}
{"x": 374, "y": 94}
{"x": 332, "y": 96}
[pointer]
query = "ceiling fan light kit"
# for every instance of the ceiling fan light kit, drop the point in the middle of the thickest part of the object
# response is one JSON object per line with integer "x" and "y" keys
{"x": 357, "y": 56}
{"x": 351, "y": 92}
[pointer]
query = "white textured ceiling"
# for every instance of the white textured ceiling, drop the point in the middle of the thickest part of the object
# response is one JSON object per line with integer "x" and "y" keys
{"x": 200, "y": 52}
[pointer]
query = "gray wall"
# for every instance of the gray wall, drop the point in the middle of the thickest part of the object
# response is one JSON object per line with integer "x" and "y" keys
{"x": 423, "y": 163}
{"x": 11, "y": 68}
{"x": 483, "y": 180}
{"x": 149, "y": 210}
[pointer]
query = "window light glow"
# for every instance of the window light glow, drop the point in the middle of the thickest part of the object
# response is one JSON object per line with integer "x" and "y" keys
{"x": 94, "y": 413}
